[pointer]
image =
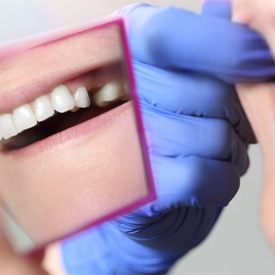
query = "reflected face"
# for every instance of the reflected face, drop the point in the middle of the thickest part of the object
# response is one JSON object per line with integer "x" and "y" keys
{"x": 70, "y": 153}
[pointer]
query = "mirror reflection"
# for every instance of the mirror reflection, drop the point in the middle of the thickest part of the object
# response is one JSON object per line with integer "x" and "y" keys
{"x": 71, "y": 154}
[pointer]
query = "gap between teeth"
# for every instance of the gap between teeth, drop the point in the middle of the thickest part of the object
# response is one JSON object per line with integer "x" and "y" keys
{"x": 60, "y": 100}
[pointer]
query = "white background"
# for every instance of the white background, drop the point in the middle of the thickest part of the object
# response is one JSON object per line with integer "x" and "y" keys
{"x": 237, "y": 245}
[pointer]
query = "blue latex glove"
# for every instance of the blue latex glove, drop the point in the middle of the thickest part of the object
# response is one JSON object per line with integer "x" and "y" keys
{"x": 197, "y": 133}
{"x": 175, "y": 39}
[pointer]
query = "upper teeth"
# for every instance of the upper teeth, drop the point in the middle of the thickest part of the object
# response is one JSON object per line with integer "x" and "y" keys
{"x": 7, "y": 126}
{"x": 60, "y": 100}
{"x": 110, "y": 93}
{"x": 24, "y": 118}
{"x": 82, "y": 98}
{"x": 43, "y": 108}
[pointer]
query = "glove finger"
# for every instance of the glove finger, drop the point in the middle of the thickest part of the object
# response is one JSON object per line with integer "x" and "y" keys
{"x": 193, "y": 181}
{"x": 223, "y": 9}
{"x": 185, "y": 227}
{"x": 217, "y": 8}
{"x": 177, "y": 39}
{"x": 186, "y": 93}
{"x": 89, "y": 251}
{"x": 184, "y": 135}
{"x": 117, "y": 247}
{"x": 191, "y": 94}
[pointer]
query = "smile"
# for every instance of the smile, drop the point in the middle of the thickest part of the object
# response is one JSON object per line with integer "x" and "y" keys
{"x": 65, "y": 106}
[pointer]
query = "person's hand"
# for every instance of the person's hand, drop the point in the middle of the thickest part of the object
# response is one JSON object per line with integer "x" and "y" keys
{"x": 259, "y": 102}
{"x": 197, "y": 134}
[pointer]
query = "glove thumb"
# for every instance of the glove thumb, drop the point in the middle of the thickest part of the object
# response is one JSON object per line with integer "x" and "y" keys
{"x": 217, "y": 8}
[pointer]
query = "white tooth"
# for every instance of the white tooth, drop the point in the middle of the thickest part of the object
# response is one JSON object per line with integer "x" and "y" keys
{"x": 24, "y": 118}
{"x": 7, "y": 127}
{"x": 43, "y": 108}
{"x": 75, "y": 109}
{"x": 62, "y": 100}
{"x": 109, "y": 94}
{"x": 82, "y": 98}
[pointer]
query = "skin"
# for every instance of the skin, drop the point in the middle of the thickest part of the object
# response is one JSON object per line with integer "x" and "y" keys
{"x": 259, "y": 103}
{"x": 77, "y": 178}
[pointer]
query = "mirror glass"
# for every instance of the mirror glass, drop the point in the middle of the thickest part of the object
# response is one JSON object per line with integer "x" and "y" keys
{"x": 72, "y": 146}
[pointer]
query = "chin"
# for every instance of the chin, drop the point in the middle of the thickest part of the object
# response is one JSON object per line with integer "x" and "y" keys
{"x": 83, "y": 179}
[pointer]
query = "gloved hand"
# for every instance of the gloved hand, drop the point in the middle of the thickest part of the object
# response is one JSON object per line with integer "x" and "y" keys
{"x": 175, "y": 39}
{"x": 197, "y": 134}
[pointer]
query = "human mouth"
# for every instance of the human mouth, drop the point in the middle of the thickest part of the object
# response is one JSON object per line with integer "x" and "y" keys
{"x": 65, "y": 106}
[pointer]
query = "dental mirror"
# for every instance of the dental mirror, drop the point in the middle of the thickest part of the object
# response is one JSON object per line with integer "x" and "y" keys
{"x": 73, "y": 152}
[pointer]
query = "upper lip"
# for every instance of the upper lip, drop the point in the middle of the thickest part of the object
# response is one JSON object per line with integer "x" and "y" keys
{"x": 51, "y": 67}
{"x": 30, "y": 91}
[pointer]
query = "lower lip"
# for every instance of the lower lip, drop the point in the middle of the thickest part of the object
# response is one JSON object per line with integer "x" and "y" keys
{"x": 73, "y": 133}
